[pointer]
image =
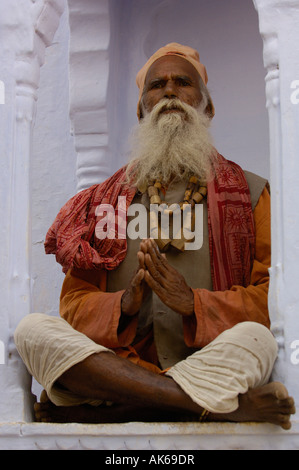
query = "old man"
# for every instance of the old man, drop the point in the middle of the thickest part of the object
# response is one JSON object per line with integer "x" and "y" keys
{"x": 157, "y": 325}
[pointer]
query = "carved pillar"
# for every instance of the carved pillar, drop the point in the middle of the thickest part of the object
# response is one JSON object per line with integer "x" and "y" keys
{"x": 279, "y": 27}
{"x": 89, "y": 71}
{"x": 35, "y": 22}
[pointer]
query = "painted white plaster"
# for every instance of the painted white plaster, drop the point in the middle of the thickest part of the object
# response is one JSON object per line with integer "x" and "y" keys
{"x": 2, "y": 92}
{"x": 29, "y": 28}
{"x": 279, "y": 26}
{"x": 147, "y": 436}
{"x": 2, "y": 353}
{"x": 89, "y": 72}
{"x": 53, "y": 167}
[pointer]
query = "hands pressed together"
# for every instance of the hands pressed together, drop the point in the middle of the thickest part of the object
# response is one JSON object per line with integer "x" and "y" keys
{"x": 155, "y": 273}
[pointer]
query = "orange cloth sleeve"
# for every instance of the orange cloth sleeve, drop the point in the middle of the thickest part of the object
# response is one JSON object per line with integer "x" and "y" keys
{"x": 216, "y": 311}
{"x": 92, "y": 311}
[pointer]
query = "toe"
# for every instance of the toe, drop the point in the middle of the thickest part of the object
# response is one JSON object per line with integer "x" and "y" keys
{"x": 285, "y": 422}
{"x": 287, "y": 405}
{"x": 44, "y": 397}
{"x": 280, "y": 391}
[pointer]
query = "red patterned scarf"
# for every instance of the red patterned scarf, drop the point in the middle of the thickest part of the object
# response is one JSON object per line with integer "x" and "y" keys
{"x": 231, "y": 229}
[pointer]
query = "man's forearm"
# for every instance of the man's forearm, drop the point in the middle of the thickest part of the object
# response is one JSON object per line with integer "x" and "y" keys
{"x": 95, "y": 313}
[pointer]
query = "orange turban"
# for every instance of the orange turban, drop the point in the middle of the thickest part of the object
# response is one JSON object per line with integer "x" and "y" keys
{"x": 173, "y": 49}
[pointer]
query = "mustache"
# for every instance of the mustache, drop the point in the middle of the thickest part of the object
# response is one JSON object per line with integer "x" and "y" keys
{"x": 173, "y": 104}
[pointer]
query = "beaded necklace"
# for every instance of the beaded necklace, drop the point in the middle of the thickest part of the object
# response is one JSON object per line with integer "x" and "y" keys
{"x": 195, "y": 193}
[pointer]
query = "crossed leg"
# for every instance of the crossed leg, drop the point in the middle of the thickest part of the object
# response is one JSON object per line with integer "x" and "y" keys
{"x": 49, "y": 345}
{"x": 141, "y": 395}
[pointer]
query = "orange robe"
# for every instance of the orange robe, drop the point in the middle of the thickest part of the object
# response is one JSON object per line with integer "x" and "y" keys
{"x": 96, "y": 313}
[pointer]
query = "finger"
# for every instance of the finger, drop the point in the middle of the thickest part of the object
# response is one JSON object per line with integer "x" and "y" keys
{"x": 160, "y": 261}
{"x": 159, "y": 290}
{"x": 153, "y": 268}
{"x": 154, "y": 246}
{"x": 161, "y": 256}
{"x": 144, "y": 245}
{"x": 138, "y": 278}
{"x": 154, "y": 285}
{"x": 153, "y": 250}
{"x": 140, "y": 257}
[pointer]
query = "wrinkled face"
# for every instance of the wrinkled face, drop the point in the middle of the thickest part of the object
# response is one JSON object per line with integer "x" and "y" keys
{"x": 171, "y": 77}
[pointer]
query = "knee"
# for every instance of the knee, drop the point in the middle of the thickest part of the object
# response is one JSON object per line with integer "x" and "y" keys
{"x": 251, "y": 327}
{"x": 26, "y": 325}
{"x": 258, "y": 333}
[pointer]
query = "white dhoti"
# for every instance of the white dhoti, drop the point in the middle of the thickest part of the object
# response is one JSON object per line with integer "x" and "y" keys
{"x": 49, "y": 346}
{"x": 237, "y": 360}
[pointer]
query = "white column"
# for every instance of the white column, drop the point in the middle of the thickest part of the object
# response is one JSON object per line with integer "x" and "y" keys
{"x": 89, "y": 72}
{"x": 279, "y": 27}
{"x": 29, "y": 27}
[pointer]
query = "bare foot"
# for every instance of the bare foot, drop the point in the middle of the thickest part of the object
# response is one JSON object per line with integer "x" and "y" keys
{"x": 267, "y": 404}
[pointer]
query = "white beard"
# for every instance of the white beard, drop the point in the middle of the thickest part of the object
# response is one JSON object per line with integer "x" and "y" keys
{"x": 165, "y": 145}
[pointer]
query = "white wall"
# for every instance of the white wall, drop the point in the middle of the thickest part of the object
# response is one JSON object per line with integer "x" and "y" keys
{"x": 53, "y": 167}
{"x": 227, "y": 37}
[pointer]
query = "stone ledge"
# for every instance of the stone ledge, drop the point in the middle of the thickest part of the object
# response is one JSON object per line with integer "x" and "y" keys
{"x": 147, "y": 436}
